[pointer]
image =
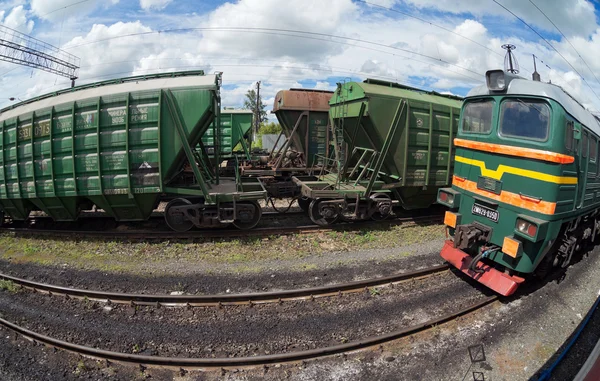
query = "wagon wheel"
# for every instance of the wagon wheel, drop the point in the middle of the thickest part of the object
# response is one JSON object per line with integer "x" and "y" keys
{"x": 316, "y": 216}
{"x": 380, "y": 215}
{"x": 248, "y": 215}
{"x": 177, "y": 220}
{"x": 304, "y": 203}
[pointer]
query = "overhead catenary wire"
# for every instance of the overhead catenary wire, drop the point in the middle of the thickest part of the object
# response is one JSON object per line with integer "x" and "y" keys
{"x": 390, "y": 9}
{"x": 550, "y": 45}
{"x": 566, "y": 39}
{"x": 281, "y": 32}
{"x": 268, "y": 79}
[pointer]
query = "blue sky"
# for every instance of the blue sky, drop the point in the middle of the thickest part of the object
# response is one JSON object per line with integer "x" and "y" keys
{"x": 331, "y": 41}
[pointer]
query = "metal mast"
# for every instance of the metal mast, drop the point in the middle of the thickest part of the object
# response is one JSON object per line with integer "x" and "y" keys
{"x": 19, "y": 48}
{"x": 257, "y": 120}
{"x": 510, "y": 61}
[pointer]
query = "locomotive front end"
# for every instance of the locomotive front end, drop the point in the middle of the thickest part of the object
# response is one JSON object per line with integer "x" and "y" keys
{"x": 508, "y": 185}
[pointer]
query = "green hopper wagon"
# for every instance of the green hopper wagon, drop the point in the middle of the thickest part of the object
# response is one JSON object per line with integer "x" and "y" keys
{"x": 122, "y": 145}
{"x": 391, "y": 142}
{"x": 234, "y": 128}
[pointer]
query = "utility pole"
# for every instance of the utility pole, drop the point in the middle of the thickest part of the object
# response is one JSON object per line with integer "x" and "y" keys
{"x": 257, "y": 116}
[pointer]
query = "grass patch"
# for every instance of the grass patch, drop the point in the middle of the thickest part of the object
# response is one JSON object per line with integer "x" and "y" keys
{"x": 8, "y": 285}
{"x": 244, "y": 253}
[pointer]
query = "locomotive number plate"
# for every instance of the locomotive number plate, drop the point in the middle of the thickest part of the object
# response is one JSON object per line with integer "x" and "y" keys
{"x": 483, "y": 211}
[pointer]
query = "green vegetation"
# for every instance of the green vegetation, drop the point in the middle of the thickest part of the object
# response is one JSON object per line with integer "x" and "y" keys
{"x": 245, "y": 254}
{"x": 266, "y": 129}
{"x": 8, "y": 285}
{"x": 81, "y": 368}
{"x": 250, "y": 104}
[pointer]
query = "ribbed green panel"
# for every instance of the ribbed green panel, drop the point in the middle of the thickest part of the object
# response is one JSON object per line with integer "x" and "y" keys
{"x": 109, "y": 150}
{"x": 421, "y": 149}
{"x": 234, "y": 125}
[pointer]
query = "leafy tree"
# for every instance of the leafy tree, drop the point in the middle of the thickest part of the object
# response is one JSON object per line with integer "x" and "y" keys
{"x": 250, "y": 104}
{"x": 264, "y": 129}
{"x": 269, "y": 128}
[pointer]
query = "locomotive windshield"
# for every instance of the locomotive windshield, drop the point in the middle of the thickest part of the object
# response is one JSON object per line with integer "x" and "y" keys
{"x": 477, "y": 117}
{"x": 524, "y": 118}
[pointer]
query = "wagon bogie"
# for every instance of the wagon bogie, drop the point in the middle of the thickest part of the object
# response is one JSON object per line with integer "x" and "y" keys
{"x": 181, "y": 214}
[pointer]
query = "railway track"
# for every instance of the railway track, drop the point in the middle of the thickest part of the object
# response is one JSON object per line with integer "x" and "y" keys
{"x": 223, "y": 299}
{"x": 236, "y": 362}
{"x": 218, "y": 300}
{"x": 152, "y": 234}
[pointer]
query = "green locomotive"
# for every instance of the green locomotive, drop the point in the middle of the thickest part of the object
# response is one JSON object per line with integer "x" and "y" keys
{"x": 526, "y": 186}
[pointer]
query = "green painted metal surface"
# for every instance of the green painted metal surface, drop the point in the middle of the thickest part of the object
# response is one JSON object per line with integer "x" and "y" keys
{"x": 235, "y": 125}
{"x": 418, "y": 161}
{"x": 528, "y": 178}
{"x": 113, "y": 144}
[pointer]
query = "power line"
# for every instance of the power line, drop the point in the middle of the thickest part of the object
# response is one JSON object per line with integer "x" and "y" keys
{"x": 565, "y": 37}
{"x": 430, "y": 23}
{"x": 282, "y": 64}
{"x": 65, "y": 7}
{"x": 280, "y": 32}
{"x": 550, "y": 45}
{"x": 251, "y": 77}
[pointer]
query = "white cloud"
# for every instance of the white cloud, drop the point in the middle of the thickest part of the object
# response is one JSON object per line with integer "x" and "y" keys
{"x": 154, "y": 4}
{"x": 316, "y": 16}
{"x": 59, "y": 10}
{"x": 17, "y": 19}
{"x": 574, "y": 17}
{"x": 280, "y": 61}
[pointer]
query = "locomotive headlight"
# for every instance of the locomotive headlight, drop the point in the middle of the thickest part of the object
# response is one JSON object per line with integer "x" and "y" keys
{"x": 496, "y": 80}
{"x": 526, "y": 227}
{"x": 448, "y": 197}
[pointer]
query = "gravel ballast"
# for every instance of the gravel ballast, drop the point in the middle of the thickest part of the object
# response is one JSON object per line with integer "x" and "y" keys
{"x": 238, "y": 331}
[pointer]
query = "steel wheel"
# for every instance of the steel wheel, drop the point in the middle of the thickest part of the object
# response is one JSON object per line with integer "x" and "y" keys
{"x": 177, "y": 220}
{"x": 378, "y": 215}
{"x": 304, "y": 203}
{"x": 248, "y": 215}
{"x": 317, "y": 217}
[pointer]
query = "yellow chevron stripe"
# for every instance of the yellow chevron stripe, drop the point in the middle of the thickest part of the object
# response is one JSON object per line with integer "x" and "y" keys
{"x": 502, "y": 169}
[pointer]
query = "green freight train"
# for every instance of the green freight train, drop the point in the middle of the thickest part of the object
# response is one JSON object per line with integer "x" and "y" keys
{"x": 123, "y": 146}
{"x": 524, "y": 195}
{"x": 391, "y": 142}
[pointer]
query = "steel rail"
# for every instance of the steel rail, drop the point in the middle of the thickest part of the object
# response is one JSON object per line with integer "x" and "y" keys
{"x": 223, "y": 299}
{"x": 229, "y": 362}
{"x": 220, "y": 233}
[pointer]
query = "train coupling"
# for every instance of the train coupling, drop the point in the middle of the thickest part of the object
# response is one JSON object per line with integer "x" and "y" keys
{"x": 500, "y": 282}
{"x": 467, "y": 236}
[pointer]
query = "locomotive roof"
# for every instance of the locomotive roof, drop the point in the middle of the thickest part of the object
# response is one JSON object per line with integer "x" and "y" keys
{"x": 522, "y": 86}
{"x": 125, "y": 85}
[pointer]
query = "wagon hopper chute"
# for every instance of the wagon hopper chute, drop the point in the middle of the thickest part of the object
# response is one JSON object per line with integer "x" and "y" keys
{"x": 120, "y": 145}
{"x": 391, "y": 142}
{"x": 303, "y": 116}
{"x": 302, "y": 144}
{"x": 234, "y": 129}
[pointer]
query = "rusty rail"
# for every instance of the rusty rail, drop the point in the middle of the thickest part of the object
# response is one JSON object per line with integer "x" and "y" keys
{"x": 222, "y": 299}
{"x": 191, "y": 363}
